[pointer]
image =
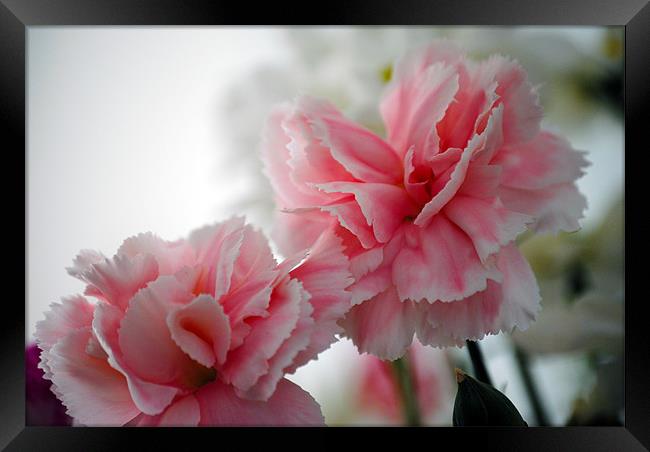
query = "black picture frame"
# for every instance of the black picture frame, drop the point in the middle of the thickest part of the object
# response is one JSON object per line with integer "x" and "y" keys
{"x": 17, "y": 15}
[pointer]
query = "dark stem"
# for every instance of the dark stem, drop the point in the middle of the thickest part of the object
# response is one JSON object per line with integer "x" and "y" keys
{"x": 531, "y": 389}
{"x": 480, "y": 369}
{"x": 407, "y": 391}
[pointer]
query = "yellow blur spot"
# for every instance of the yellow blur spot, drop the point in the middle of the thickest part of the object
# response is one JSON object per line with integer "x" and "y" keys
{"x": 386, "y": 73}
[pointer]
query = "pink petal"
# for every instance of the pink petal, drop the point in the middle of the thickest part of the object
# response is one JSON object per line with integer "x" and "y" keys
{"x": 283, "y": 359}
{"x": 417, "y": 179}
{"x": 413, "y": 106}
{"x": 486, "y": 221}
{"x": 311, "y": 160}
{"x": 474, "y": 98}
{"x": 145, "y": 339}
{"x": 217, "y": 247}
{"x": 554, "y": 208}
{"x": 201, "y": 329}
{"x": 522, "y": 112}
{"x": 325, "y": 275}
{"x": 484, "y": 142}
{"x": 289, "y": 406}
{"x": 500, "y": 307}
{"x": 149, "y": 397}
{"x": 247, "y": 363}
{"x": 249, "y": 293}
{"x": 371, "y": 284}
{"x": 481, "y": 181}
{"x": 170, "y": 256}
{"x": 439, "y": 263}
{"x": 277, "y": 138}
{"x": 521, "y": 299}
{"x": 416, "y": 61}
{"x": 383, "y": 206}
{"x": 296, "y": 231}
{"x": 351, "y": 217}
{"x": 383, "y": 325}
{"x": 366, "y": 261}
{"x": 83, "y": 262}
{"x": 71, "y": 314}
{"x": 363, "y": 154}
{"x": 116, "y": 280}
{"x": 451, "y": 323}
{"x": 544, "y": 161}
{"x": 184, "y": 412}
{"x": 255, "y": 257}
{"x": 94, "y": 393}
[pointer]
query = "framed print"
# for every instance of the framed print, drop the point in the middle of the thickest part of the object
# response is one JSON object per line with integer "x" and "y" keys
{"x": 405, "y": 215}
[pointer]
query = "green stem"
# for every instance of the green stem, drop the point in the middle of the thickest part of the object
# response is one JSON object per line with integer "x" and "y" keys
{"x": 531, "y": 389}
{"x": 407, "y": 392}
{"x": 480, "y": 369}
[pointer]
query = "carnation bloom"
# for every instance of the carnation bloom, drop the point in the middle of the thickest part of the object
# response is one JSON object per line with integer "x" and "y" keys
{"x": 428, "y": 215}
{"x": 194, "y": 332}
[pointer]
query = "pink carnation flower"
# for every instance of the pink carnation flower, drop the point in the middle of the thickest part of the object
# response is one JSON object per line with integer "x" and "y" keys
{"x": 194, "y": 332}
{"x": 428, "y": 215}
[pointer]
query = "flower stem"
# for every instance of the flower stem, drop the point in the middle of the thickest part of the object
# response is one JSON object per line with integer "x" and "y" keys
{"x": 531, "y": 389}
{"x": 407, "y": 392}
{"x": 480, "y": 369}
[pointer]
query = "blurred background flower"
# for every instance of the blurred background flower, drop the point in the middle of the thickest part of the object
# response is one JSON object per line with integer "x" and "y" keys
{"x": 375, "y": 391}
{"x": 42, "y": 408}
{"x": 188, "y": 118}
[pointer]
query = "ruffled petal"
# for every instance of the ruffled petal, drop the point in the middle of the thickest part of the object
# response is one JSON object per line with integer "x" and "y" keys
{"x": 544, "y": 161}
{"x": 446, "y": 185}
{"x": 451, "y": 323}
{"x": 284, "y": 358}
{"x": 311, "y": 161}
{"x": 522, "y": 112}
{"x": 487, "y": 222}
{"x": 150, "y": 398}
{"x": 440, "y": 262}
{"x": 249, "y": 293}
{"x": 289, "y": 406}
{"x": 383, "y": 325}
{"x": 217, "y": 247}
{"x": 521, "y": 298}
{"x": 326, "y": 276}
{"x": 366, "y": 261}
{"x": 363, "y": 154}
{"x": 555, "y": 208}
{"x": 413, "y": 106}
{"x": 415, "y": 62}
{"x": 184, "y": 412}
{"x": 296, "y": 231}
{"x": 201, "y": 329}
{"x": 93, "y": 392}
{"x": 464, "y": 118}
{"x": 247, "y": 363}
{"x": 371, "y": 284}
{"x": 83, "y": 261}
{"x": 384, "y": 206}
{"x": 71, "y": 314}
{"x": 170, "y": 256}
{"x": 116, "y": 280}
{"x": 351, "y": 217}
{"x": 277, "y": 137}
{"x": 500, "y": 307}
{"x": 145, "y": 339}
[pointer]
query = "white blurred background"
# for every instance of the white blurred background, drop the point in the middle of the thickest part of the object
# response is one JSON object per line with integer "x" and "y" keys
{"x": 157, "y": 129}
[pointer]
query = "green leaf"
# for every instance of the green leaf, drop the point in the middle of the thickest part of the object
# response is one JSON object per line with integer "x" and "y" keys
{"x": 480, "y": 404}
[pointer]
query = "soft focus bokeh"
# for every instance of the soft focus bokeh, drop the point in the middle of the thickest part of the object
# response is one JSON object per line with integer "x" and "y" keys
{"x": 158, "y": 129}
